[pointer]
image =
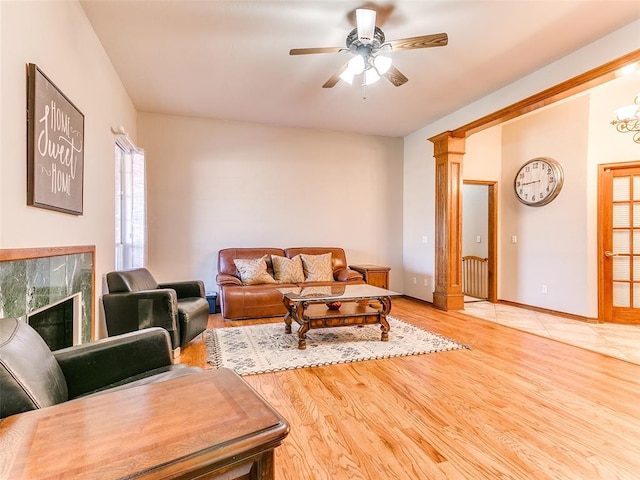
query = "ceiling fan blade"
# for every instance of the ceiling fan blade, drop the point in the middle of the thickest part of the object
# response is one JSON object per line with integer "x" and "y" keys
{"x": 306, "y": 51}
{"x": 423, "y": 41}
{"x": 396, "y": 77}
{"x": 335, "y": 77}
{"x": 366, "y": 24}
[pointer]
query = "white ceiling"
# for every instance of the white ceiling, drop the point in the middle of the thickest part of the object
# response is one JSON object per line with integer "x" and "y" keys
{"x": 230, "y": 59}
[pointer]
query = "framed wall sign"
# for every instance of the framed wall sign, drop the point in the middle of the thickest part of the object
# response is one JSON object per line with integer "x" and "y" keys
{"x": 55, "y": 147}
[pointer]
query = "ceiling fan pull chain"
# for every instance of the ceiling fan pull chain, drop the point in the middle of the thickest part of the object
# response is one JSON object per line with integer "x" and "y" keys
{"x": 364, "y": 91}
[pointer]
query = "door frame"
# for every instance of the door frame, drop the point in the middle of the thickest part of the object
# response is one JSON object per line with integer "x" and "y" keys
{"x": 492, "y": 236}
{"x": 605, "y": 309}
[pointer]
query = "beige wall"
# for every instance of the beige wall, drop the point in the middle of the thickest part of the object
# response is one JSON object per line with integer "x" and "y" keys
{"x": 58, "y": 38}
{"x": 214, "y": 184}
{"x": 482, "y": 160}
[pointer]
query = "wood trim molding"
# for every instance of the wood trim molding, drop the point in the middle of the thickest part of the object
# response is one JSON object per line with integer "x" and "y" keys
{"x": 8, "y": 255}
{"x": 578, "y": 84}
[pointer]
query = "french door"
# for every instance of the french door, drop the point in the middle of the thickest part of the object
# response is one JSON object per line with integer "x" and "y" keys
{"x": 619, "y": 243}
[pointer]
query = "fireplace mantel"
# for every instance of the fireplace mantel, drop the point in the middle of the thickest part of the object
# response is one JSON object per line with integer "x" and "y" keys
{"x": 33, "y": 277}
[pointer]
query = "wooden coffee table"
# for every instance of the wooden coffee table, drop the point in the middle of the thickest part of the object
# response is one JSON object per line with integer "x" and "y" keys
{"x": 359, "y": 305}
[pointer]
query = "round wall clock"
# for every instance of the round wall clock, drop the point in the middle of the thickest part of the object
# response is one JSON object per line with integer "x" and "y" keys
{"x": 538, "y": 181}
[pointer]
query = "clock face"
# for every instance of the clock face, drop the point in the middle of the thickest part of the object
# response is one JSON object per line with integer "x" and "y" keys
{"x": 538, "y": 181}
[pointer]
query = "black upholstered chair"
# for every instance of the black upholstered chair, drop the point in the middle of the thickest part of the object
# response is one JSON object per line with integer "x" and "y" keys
{"x": 135, "y": 301}
{"x": 32, "y": 376}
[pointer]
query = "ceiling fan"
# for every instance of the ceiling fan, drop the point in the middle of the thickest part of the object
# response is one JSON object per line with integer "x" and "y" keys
{"x": 369, "y": 52}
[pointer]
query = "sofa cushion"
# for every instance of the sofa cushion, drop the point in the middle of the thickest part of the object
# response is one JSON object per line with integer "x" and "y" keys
{"x": 287, "y": 270}
{"x": 317, "y": 268}
{"x": 253, "y": 271}
{"x": 338, "y": 255}
{"x": 253, "y": 301}
{"x": 226, "y": 256}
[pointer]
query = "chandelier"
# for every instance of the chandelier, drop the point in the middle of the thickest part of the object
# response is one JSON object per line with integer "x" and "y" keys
{"x": 628, "y": 119}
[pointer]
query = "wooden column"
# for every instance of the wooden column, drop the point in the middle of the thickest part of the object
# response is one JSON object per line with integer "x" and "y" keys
{"x": 448, "y": 152}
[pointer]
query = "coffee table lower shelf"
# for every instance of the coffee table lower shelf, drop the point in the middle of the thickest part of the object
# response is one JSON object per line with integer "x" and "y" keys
{"x": 311, "y": 314}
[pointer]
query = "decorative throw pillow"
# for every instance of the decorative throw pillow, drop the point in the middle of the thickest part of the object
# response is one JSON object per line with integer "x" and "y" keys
{"x": 287, "y": 270}
{"x": 253, "y": 270}
{"x": 317, "y": 268}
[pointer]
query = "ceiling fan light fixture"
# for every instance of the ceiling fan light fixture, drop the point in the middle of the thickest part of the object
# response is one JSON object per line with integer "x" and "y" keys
{"x": 348, "y": 76}
{"x": 382, "y": 64}
{"x": 371, "y": 76}
{"x": 356, "y": 65}
{"x": 368, "y": 46}
{"x": 366, "y": 24}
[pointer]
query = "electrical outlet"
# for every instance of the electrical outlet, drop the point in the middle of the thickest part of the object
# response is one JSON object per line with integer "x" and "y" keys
{"x": 426, "y": 282}
{"x": 478, "y": 239}
{"x": 415, "y": 280}
{"x": 544, "y": 289}
{"x": 514, "y": 239}
{"x": 425, "y": 239}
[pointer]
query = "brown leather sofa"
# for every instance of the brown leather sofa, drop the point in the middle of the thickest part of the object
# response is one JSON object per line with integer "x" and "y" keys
{"x": 238, "y": 301}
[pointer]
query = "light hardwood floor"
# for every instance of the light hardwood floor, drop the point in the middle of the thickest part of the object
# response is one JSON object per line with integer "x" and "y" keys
{"x": 516, "y": 406}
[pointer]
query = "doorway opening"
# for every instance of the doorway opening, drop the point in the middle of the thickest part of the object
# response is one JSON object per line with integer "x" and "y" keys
{"x": 479, "y": 240}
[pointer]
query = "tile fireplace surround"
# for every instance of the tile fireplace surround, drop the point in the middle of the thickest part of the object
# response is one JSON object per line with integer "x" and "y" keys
{"x": 31, "y": 278}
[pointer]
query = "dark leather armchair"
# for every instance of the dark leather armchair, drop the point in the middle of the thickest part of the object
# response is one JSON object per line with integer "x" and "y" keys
{"x": 32, "y": 376}
{"x": 135, "y": 301}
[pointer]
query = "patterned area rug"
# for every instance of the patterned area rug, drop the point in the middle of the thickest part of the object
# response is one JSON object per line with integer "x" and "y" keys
{"x": 266, "y": 348}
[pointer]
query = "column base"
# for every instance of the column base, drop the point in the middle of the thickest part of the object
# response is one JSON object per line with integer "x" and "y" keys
{"x": 448, "y": 301}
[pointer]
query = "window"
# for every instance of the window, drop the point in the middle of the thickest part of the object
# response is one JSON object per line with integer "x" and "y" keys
{"x": 131, "y": 209}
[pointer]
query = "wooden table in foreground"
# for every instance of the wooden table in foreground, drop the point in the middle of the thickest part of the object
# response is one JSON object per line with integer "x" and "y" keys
{"x": 359, "y": 305}
{"x": 205, "y": 426}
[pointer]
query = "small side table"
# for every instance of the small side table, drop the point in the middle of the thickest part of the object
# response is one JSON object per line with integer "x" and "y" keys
{"x": 375, "y": 275}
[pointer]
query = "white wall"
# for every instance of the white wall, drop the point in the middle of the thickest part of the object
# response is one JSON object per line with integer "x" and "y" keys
{"x": 419, "y": 211}
{"x": 214, "y": 184}
{"x": 419, "y": 167}
{"x": 475, "y": 214}
{"x": 578, "y": 133}
{"x": 58, "y": 37}
{"x": 551, "y": 248}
